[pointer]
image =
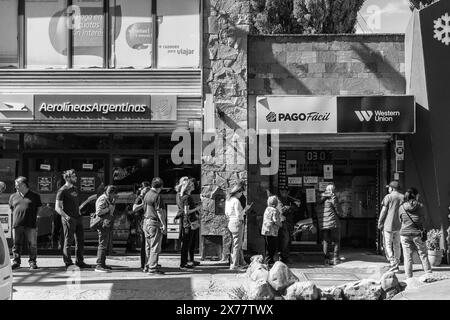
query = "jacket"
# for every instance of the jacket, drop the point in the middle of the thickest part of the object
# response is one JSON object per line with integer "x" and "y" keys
{"x": 105, "y": 209}
{"x": 271, "y": 222}
{"x": 414, "y": 227}
{"x": 327, "y": 209}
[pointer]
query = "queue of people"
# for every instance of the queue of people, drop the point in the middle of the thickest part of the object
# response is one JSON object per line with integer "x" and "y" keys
{"x": 401, "y": 221}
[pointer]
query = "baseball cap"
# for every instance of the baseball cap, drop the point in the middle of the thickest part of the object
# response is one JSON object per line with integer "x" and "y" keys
{"x": 393, "y": 184}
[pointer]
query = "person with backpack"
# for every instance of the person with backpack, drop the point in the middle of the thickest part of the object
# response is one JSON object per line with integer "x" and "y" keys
{"x": 104, "y": 208}
{"x": 412, "y": 235}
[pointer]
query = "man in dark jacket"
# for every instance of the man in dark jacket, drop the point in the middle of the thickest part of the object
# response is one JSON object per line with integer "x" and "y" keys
{"x": 327, "y": 210}
{"x": 287, "y": 208}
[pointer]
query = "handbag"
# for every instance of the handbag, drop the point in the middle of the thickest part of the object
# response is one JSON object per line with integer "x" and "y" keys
{"x": 95, "y": 221}
{"x": 423, "y": 233}
{"x": 195, "y": 225}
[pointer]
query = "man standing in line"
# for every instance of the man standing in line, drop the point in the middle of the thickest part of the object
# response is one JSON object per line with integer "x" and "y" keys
{"x": 287, "y": 209}
{"x": 154, "y": 225}
{"x": 24, "y": 205}
{"x": 389, "y": 223}
{"x": 67, "y": 205}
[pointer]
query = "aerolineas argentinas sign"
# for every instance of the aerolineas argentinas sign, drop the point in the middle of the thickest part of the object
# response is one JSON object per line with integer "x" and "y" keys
{"x": 105, "y": 107}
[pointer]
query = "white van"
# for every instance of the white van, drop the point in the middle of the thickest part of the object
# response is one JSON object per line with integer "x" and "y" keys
{"x": 6, "y": 277}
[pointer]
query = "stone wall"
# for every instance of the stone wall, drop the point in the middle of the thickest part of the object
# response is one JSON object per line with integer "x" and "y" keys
{"x": 317, "y": 65}
{"x": 327, "y": 64}
{"x": 226, "y": 26}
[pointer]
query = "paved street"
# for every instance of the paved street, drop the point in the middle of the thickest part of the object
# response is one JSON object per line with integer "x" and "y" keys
{"x": 211, "y": 280}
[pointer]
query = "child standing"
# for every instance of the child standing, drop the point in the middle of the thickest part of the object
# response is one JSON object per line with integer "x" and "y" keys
{"x": 270, "y": 226}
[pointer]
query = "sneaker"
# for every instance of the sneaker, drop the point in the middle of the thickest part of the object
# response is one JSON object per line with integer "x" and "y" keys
{"x": 107, "y": 267}
{"x": 335, "y": 261}
{"x": 69, "y": 264}
{"x": 394, "y": 269}
{"x": 186, "y": 267}
{"x": 195, "y": 263}
{"x": 101, "y": 269}
{"x": 156, "y": 271}
{"x": 145, "y": 270}
{"x": 83, "y": 265}
{"x": 15, "y": 265}
{"x": 237, "y": 269}
{"x": 33, "y": 266}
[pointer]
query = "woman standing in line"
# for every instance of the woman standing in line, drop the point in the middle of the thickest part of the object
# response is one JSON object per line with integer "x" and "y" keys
{"x": 271, "y": 225}
{"x": 189, "y": 222}
{"x": 235, "y": 214}
{"x": 412, "y": 218}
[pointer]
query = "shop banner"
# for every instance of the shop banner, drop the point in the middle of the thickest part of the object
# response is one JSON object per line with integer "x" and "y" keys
{"x": 297, "y": 114}
{"x": 105, "y": 107}
{"x": 374, "y": 114}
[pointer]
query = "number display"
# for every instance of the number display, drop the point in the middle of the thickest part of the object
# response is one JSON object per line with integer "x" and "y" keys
{"x": 318, "y": 156}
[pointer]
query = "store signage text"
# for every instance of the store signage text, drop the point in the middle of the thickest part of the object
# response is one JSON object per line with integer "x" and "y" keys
{"x": 95, "y": 107}
{"x": 380, "y": 116}
{"x": 310, "y": 116}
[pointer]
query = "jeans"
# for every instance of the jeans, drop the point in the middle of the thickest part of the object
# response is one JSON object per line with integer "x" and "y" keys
{"x": 57, "y": 232}
{"x": 153, "y": 239}
{"x": 271, "y": 249}
{"x": 284, "y": 241}
{"x": 392, "y": 247}
{"x": 20, "y": 234}
{"x": 73, "y": 228}
{"x": 103, "y": 240}
{"x": 143, "y": 251}
{"x": 411, "y": 244}
{"x": 236, "y": 228}
{"x": 333, "y": 237}
{"x": 187, "y": 246}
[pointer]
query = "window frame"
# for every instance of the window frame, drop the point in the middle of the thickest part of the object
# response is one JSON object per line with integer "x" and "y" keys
{"x": 107, "y": 40}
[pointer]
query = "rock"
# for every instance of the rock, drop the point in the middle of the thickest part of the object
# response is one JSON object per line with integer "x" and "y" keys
{"x": 260, "y": 290}
{"x": 366, "y": 289}
{"x": 433, "y": 277}
{"x": 304, "y": 290}
{"x": 257, "y": 258}
{"x": 255, "y": 264}
{"x": 260, "y": 273}
{"x": 389, "y": 281}
{"x": 281, "y": 277}
{"x": 332, "y": 293}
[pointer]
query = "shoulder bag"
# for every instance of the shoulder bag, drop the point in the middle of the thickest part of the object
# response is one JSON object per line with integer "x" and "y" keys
{"x": 423, "y": 233}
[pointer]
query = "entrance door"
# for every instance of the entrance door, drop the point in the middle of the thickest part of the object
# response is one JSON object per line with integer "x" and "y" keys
{"x": 356, "y": 175}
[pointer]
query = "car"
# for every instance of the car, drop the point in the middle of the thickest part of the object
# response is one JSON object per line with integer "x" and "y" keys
{"x": 121, "y": 230}
{"x": 6, "y": 277}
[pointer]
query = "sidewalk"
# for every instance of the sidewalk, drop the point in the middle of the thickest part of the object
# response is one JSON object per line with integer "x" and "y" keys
{"x": 210, "y": 281}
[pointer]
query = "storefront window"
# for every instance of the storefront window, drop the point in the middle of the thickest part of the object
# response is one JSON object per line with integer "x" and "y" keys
{"x": 46, "y": 34}
{"x": 178, "y": 33}
{"x": 171, "y": 173}
{"x": 8, "y": 33}
{"x": 131, "y": 34}
{"x": 9, "y": 142}
{"x": 66, "y": 141}
{"x": 88, "y": 35}
{"x": 141, "y": 142}
{"x": 130, "y": 171}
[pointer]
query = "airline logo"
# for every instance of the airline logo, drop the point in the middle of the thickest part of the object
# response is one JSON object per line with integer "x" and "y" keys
{"x": 364, "y": 115}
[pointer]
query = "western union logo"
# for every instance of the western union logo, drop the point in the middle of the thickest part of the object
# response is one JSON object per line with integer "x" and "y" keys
{"x": 364, "y": 115}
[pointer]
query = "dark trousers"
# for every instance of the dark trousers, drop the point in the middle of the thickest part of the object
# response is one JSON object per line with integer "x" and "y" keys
{"x": 284, "y": 241}
{"x": 271, "y": 249}
{"x": 73, "y": 229}
{"x": 143, "y": 252}
{"x": 103, "y": 240}
{"x": 331, "y": 236}
{"x": 187, "y": 246}
{"x": 24, "y": 236}
{"x": 57, "y": 232}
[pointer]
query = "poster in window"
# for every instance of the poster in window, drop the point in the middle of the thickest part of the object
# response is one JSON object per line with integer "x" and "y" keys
{"x": 132, "y": 24}
{"x": 5, "y": 220}
{"x": 178, "y": 33}
{"x": 328, "y": 171}
{"x": 46, "y": 34}
{"x": 291, "y": 167}
{"x": 45, "y": 184}
{"x": 87, "y": 184}
{"x": 310, "y": 195}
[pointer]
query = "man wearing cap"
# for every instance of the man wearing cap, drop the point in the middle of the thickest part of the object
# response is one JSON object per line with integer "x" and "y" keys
{"x": 389, "y": 223}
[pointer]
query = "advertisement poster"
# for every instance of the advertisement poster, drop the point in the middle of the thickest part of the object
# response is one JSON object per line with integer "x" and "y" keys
{"x": 328, "y": 171}
{"x": 173, "y": 229}
{"x": 178, "y": 30}
{"x": 291, "y": 167}
{"x": 310, "y": 180}
{"x": 87, "y": 184}
{"x": 5, "y": 220}
{"x": 45, "y": 184}
{"x": 310, "y": 195}
{"x": 295, "y": 181}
